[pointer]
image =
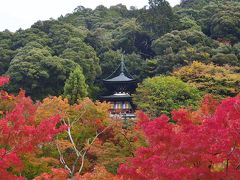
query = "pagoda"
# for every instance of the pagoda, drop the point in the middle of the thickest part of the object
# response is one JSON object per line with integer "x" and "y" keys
{"x": 121, "y": 86}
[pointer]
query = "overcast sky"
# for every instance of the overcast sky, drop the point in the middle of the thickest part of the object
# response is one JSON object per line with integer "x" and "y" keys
{"x": 15, "y": 14}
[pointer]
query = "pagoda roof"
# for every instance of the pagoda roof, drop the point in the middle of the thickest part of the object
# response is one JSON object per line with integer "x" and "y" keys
{"x": 120, "y": 78}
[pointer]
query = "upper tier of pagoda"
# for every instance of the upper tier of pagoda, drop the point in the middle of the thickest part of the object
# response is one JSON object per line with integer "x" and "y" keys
{"x": 120, "y": 82}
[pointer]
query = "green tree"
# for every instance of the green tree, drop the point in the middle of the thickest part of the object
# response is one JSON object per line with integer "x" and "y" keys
{"x": 189, "y": 23}
{"x": 100, "y": 39}
{"x": 196, "y": 4}
{"x": 159, "y": 18}
{"x": 236, "y": 50}
{"x": 225, "y": 24}
{"x": 162, "y": 64}
{"x": 130, "y": 37}
{"x": 219, "y": 19}
{"x": 222, "y": 59}
{"x": 180, "y": 48}
{"x": 84, "y": 55}
{"x": 38, "y": 72}
{"x": 75, "y": 87}
{"x": 6, "y": 53}
{"x": 180, "y": 40}
{"x": 23, "y": 37}
{"x": 162, "y": 94}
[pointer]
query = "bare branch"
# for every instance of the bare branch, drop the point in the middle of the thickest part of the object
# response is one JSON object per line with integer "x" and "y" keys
{"x": 89, "y": 146}
{"x": 71, "y": 139}
{"x": 61, "y": 158}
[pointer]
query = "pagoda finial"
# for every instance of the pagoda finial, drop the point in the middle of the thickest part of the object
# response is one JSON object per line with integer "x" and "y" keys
{"x": 122, "y": 64}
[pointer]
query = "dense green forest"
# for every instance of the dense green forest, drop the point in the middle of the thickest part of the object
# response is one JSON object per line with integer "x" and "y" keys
{"x": 155, "y": 40}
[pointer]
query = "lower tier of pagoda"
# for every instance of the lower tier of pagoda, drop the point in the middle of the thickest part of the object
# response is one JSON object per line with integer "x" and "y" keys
{"x": 121, "y": 105}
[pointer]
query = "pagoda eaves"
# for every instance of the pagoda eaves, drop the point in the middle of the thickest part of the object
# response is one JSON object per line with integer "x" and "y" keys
{"x": 121, "y": 100}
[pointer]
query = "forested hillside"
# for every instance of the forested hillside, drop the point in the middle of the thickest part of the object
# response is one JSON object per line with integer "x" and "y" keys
{"x": 154, "y": 40}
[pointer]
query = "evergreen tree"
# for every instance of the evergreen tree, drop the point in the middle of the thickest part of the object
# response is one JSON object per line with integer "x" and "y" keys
{"x": 159, "y": 19}
{"x": 75, "y": 86}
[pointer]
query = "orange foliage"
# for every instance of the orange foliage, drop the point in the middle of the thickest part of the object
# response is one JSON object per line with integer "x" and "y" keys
{"x": 52, "y": 106}
{"x": 99, "y": 173}
{"x": 56, "y": 174}
{"x": 6, "y": 102}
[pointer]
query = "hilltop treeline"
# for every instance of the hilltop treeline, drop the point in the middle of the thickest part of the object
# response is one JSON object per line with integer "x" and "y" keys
{"x": 154, "y": 40}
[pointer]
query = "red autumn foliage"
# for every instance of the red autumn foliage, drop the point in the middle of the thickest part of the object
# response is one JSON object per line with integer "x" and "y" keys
{"x": 200, "y": 145}
{"x": 20, "y": 134}
{"x": 99, "y": 173}
{"x": 4, "y": 80}
{"x": 56, "y": 174}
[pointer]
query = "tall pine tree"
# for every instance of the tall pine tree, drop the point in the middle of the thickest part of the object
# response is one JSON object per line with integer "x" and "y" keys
{"x": 75, "y": 86}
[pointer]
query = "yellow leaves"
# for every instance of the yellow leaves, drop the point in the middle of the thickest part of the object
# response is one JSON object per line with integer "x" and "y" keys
{"x": 40, "y": 161}
{"x": 33, "y": 163}
{"x": 211, "y": 70}
{"x": 50, "y": 160}
{"x": 64, "y": 144}
{"x": 52, "y": 106}
{"x": 89, "y": 111}
{"x": 7, "y": 102}
{"x": 99, "y": 173}
{"x": 85, "y": 110}
{"x": 189, "y": 70}
{"x": 131, "y": 25}
{"x": 219, "y": 167}
{"x": 219, "y": 80}
{"x": 103, "y": 108}
{"x": 191, "y": 50}
{"x": 205, "y": 55}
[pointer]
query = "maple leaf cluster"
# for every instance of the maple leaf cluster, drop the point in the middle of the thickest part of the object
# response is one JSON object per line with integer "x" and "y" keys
{"x": 99, "y": 173}
{"x": 55, "y": 174}
{"x": 199, "y": 145}
{"x": 4, "y": 80}
{"x": 19, "y": 133}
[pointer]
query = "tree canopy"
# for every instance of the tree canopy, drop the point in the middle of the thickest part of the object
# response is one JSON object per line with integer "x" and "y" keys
{"x": 154, "y": 40}
{"x": 160, "y": 95}
{"x": 38, "y": 72}
{"x": 217, "y": 80}
{"x": 75, "y": 87}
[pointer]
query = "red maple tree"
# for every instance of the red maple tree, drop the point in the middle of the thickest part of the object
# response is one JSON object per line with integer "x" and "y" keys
{"x": 19, "y": 133}
{"x": 4, "y": 80}
{"x": 200, "y": 145}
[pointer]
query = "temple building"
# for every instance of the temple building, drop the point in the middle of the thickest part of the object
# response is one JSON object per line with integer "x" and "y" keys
{"x": 120, "y": 87}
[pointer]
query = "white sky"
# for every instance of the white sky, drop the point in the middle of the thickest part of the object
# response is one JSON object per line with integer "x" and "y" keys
{"x": 15, "y": 14}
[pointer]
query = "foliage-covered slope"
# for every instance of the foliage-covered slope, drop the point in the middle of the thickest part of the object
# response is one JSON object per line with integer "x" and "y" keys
{"x": 154, "y": 40}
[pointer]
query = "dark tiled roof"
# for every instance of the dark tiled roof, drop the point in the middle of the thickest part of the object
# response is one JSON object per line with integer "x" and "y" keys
{"x": 119, "y": 78}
